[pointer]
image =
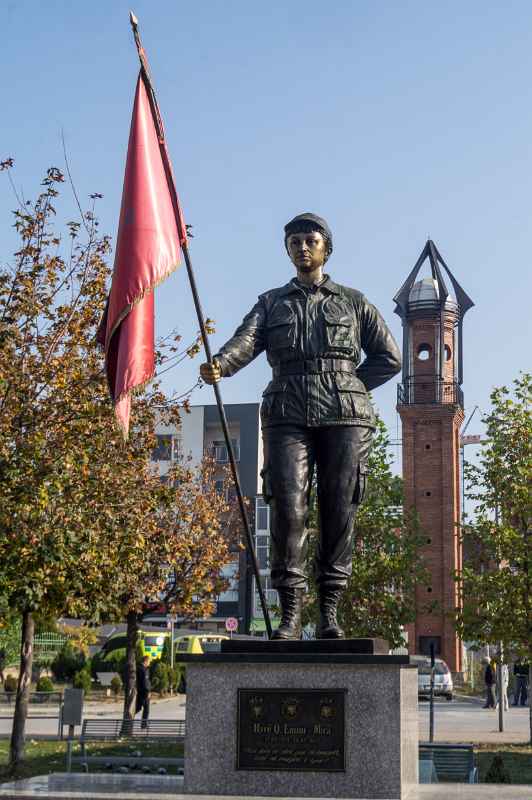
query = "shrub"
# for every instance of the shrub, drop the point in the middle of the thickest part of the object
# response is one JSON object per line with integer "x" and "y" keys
{"x": 165, "y": 655}
{"x": 159, "y": 676}
{"x": 174, "y": 675}
{"x": 114, "y": 662}
{"x": 116, "y": 685}
{"x": 44, "y": 684}
{"x": 83, "y": 680}
{"x": 68, "y": 661}
{"x": 10, "y": 684}
{"x": 497, "y": 772}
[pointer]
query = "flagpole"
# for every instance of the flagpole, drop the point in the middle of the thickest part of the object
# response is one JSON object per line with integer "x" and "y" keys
{"x": 197, "y": 304}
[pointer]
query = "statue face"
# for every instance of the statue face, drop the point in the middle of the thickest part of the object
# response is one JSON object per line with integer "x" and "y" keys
{"x": 307, "y": 250}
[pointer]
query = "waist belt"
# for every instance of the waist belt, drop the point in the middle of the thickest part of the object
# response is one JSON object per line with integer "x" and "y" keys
{"x": 313, "y": 366}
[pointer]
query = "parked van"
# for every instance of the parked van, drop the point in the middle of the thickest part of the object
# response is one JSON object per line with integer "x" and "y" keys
{"x": 151, "y": 643}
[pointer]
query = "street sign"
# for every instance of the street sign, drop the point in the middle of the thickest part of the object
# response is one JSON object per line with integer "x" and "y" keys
{"x": 474, "y": 439}
{"x": 231, "y": 624}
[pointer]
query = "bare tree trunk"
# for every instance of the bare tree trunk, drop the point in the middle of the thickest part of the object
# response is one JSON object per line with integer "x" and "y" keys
{"x": 18, "y": 738}
{"x": 130, "y": 687}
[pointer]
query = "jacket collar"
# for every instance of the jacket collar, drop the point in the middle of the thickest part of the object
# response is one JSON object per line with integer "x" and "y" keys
{"x": 292, "y": 286}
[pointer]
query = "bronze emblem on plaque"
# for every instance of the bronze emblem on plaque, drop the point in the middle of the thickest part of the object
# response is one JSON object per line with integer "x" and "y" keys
{"x": 290, "y": 707}
{"x": 295, "y": 730}
{"x": 256, "y": 706}
{"x": 327, "y": 708}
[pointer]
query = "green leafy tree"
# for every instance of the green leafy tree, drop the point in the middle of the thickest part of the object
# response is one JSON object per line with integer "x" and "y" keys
{"x": 10, "y": 630}
{"x": 387, "y": 564}
{"x": 496, "y": 580}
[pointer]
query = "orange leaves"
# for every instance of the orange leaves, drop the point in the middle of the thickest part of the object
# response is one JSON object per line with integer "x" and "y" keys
{"x": 86, "y": 525}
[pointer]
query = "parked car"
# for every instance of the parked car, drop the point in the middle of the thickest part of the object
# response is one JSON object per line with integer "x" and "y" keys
{"x": 443, "y": 682}
{"x": 196, "y": 644}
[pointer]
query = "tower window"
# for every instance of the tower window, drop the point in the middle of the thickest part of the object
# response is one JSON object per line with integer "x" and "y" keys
{"x": 427, "y": 447}
{"x": 448, "y": 352}
{"x": 429, "y": 588}
{"x": 427, "y": 494}
{"x": 424, "y": 351}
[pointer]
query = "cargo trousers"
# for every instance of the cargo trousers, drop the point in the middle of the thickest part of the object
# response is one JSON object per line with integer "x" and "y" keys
{"x": 339, "y": 454}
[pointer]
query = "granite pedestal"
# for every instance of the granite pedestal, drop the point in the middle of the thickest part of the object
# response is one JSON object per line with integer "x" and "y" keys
{"x": 301, "y": 722}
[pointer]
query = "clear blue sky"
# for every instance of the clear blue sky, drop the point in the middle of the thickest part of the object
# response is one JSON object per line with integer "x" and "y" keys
{"x": 394, "y": 121}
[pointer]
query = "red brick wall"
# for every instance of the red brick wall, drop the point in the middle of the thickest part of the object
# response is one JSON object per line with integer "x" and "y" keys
{"x": 431, "y": 474}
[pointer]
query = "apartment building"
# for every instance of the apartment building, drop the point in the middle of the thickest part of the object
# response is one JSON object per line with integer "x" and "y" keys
{"x": 200, "y": 432}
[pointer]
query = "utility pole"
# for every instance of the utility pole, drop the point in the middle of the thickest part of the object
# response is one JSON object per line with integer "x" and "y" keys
{"x": 431, "y": 707}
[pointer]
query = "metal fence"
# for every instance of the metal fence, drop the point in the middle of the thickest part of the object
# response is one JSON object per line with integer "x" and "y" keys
{"x": 36, "y": 698}
{"x": 48, "y": 643}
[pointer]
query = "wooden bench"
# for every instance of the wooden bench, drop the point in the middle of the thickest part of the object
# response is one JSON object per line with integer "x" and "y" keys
{"x": 118, "y": 730}
{"x": 453, "y": 762}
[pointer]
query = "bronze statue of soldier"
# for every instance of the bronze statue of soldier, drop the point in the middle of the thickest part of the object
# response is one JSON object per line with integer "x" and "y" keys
{"x": 315, "y": 414}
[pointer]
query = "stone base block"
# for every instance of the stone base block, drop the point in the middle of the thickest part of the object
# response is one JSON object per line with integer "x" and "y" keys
{"x": 376, "y": 701}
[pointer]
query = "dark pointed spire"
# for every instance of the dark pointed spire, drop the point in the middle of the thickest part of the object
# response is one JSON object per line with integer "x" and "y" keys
{"x": 431, "y": 252}
{"x": 430, "y": 298}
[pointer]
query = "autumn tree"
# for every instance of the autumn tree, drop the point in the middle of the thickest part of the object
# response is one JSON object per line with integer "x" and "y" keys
{"x": 387, "y": 563}
{"x": 170, "y": 541}
{"x": 496, "y": 581}
{"x": 65, "y": 473}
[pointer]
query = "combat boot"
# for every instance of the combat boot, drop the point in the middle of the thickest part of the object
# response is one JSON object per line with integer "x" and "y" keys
{"x": 328, "y": 627}
{"x": 290, "y": 626}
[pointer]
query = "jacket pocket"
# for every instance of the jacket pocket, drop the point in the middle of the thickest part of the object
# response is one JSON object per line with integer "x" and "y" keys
{"x": 353, "y": 402}
{"x": 273, "y": 400}
{"x": 339, "y": 329}
{"x": 281, "y": 327}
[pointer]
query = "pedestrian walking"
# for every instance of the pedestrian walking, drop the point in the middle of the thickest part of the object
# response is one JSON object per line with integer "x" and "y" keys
{"x": 521, "y": 683}
{"x": 3, "y": 659}
{"x": 143, "y": 691}
{"x": 489, "y": 681}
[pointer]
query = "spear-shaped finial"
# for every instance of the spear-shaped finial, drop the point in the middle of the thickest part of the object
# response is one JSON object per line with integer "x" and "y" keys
{"x": 134, "y": 21}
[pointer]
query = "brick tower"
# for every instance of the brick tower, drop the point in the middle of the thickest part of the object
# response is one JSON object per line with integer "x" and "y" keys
{"x": 430, "y": 403}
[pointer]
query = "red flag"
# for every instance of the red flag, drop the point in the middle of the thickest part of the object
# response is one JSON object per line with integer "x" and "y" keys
{"x": 150, "y": 233}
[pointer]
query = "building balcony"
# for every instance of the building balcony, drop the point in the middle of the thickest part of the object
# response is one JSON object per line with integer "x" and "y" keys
{"x": 429, "y": 391}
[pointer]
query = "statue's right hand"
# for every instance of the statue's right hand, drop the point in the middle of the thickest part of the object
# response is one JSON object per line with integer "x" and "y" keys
{"x": 210, "y": 372}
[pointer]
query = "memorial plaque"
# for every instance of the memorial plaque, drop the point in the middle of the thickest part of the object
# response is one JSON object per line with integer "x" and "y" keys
{"x": 291, "y": 729}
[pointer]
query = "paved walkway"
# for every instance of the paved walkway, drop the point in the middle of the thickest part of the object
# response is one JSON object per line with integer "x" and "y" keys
{"x": 38, "y": 727}
{"x": 463, "y": 720}
{"x": 145, "y": 787}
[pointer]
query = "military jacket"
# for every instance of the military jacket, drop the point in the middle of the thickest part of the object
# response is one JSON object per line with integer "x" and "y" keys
{"x": 314, "y": 338}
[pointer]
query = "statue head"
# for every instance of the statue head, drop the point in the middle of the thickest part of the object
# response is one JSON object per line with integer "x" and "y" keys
{"x": 308, "y": 241}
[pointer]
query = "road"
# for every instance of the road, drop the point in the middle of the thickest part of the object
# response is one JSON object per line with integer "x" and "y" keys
{"x": 463, "y": 720}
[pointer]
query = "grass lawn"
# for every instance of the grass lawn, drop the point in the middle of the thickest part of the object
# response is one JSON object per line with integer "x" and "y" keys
{"x": 43, "y": 757}
{"x": 517, "y": 761}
